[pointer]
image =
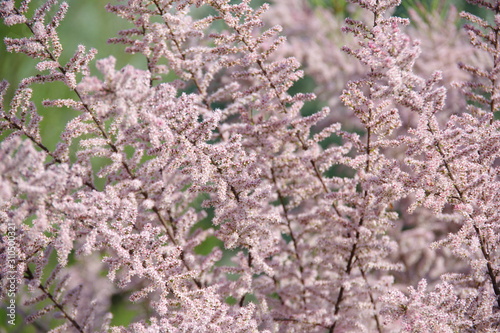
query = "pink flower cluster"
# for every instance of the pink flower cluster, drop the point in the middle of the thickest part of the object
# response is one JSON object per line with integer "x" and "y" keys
{"x": 379, "y": 212}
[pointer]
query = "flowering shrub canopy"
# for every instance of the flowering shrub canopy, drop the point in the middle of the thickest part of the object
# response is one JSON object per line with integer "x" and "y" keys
{"x": 377, "y": 213}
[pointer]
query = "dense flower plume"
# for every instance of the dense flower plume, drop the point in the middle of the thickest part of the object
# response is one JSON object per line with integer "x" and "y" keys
{"x": 378, "y": 212}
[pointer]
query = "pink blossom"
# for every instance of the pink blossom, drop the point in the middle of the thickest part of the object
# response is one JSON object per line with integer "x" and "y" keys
{"x": 375, "y": 213}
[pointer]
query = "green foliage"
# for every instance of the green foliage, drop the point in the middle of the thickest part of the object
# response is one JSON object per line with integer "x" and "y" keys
{"x": 422, "y": 7}
{"x": 425, "y": 7}
{"x": 337, "y": 6}
{"x": 123, "y": 313}
{"x": 208, "y": 244}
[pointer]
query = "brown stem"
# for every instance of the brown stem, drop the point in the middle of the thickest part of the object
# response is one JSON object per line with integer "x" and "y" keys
{"x": 114, "y": 148}
{"x": 352, "y": 254}
{"x": 53, "y": 299}
{"x": 372, "y": 300}
{"x": 482, "y": 242}
{"x": 292, "y": 236}
{"x": 183, "y": 56}
{"x": 282, "y": 105}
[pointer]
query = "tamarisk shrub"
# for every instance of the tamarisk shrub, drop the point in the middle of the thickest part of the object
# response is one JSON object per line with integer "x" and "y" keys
{"x": 387, "y": 222}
